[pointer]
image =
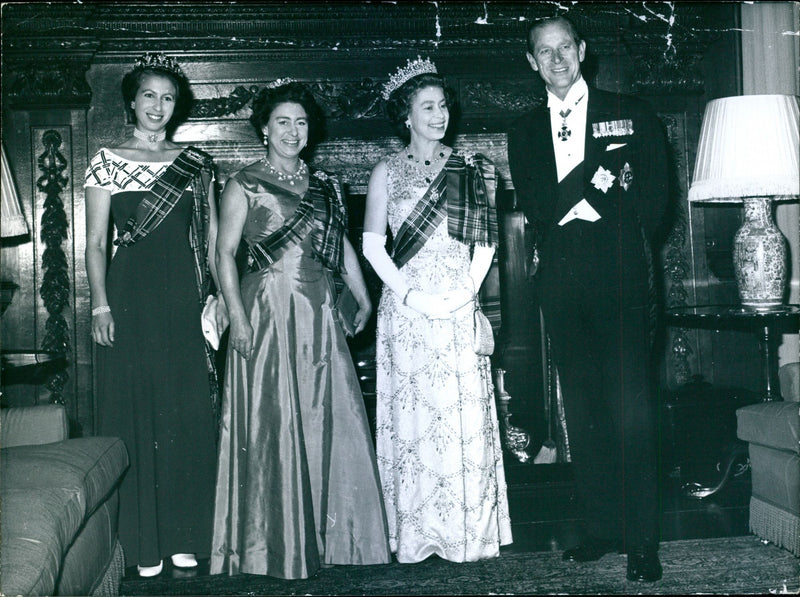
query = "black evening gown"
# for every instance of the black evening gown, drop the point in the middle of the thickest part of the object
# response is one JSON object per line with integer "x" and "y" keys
{"x": 153, "y": 389}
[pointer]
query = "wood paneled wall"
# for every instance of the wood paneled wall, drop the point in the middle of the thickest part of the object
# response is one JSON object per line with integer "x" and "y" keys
{"x": 63, "y": 64}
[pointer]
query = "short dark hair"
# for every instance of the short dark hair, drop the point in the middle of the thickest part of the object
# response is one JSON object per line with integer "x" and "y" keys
{"x": 398, "y": 106}
{"x": 295, "y": 92}
{"x": 183, "y": 93}
{"x": 541, "y": 23}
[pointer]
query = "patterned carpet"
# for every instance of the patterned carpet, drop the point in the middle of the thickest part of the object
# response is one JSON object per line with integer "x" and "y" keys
{"x": 731, "y": 565}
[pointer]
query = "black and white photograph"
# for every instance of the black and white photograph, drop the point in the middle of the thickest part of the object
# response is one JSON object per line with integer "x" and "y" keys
{"x": 371, "y": 297}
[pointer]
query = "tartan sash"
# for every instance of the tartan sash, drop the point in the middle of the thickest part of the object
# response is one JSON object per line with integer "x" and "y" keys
{"x": 473, "y": 219}
{"x": 423, "y": 220}
{"x": 322, "y": 212}
{"x": 198, "y": 233}
{"x": 268, "y": 250}
{"x": 466, "y": 194}
{"x": 156, "y": 205}
{"x": 163, "y": 195}
{"x": 330, "y": 220}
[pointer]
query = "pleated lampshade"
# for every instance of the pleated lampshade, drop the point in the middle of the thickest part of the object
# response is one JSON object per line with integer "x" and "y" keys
{"x": 12, "y": 221}
{"x": 749, "y": 153}
{"x": 748, "y": 148}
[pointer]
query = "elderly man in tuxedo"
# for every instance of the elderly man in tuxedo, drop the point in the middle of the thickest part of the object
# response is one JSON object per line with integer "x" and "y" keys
{"x": 590, "y": 172}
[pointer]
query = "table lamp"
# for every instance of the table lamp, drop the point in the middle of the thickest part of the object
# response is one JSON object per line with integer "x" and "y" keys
{"x": 13, "y": 222}
{"x": 748, "y": 153}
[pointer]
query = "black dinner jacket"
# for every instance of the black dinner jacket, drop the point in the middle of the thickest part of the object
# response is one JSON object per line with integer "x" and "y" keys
{"x": 533, "y": 166}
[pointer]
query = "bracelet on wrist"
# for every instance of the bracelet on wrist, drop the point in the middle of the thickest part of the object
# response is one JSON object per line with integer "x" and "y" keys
{"x": 101, "y": 309}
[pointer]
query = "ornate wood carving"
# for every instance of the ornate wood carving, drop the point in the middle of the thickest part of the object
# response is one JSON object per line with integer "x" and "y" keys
{"x": 677, "y": 271}
{"x": 659, "y": 74}
{"x": 339, "y": 100}
{"x": 344, "y": 51}
{"x": 56, "y": 83}
{"x": 55, "y": 282}
{"x": 504, "y": 95}
{"x": 361, "y": 100}
{"x": 224, "y": 106}
{"x": 353, "y": 159}
{"x": 277, "y": 32}
{"x": 349, "y": 100}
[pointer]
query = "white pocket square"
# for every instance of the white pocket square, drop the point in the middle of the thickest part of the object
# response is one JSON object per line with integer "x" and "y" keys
{"x": 613, "y": 146}
{"x": 580, "y": 211}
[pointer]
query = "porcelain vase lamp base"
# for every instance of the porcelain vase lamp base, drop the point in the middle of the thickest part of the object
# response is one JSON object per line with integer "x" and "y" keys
{"x": 759, "y": 257}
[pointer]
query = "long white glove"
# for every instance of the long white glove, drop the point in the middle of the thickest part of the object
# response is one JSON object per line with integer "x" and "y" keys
{"x": 434, "y": 306}
{"x": 374, "y": 247}
{"x": 479, "y": 267}
{"x": 481, "y": 262}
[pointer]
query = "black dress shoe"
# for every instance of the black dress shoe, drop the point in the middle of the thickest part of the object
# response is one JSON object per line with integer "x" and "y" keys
{"x": 589, "y": 551}
{"x": 644, "y": 566}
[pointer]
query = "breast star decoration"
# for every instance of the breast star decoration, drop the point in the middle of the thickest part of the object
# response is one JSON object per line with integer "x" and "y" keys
{"x": 626, "y": 176}
{"x": 603, "y": 179}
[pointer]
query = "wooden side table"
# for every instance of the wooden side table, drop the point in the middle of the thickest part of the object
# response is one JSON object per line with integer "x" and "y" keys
{"x": 768, "y": 326}
{"x": 28, "y": 366}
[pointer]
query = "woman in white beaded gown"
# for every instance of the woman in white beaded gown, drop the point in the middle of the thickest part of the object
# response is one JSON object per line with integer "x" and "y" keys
{"x": 438, "y": 445}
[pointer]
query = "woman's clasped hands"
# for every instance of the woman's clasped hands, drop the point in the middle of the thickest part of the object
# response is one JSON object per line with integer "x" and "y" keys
{"x": 441, "y": 305}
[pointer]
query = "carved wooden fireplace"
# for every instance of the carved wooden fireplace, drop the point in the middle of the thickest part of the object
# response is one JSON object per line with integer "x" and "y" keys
{"x": 62, "y": 68}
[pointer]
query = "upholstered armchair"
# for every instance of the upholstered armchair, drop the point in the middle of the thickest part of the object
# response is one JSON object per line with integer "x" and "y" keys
{"x": 59, "y": 506}
{"x": 772, "y": 430}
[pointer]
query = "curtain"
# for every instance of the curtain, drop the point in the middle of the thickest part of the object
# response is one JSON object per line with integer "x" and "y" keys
{"x": 770, "y": 63}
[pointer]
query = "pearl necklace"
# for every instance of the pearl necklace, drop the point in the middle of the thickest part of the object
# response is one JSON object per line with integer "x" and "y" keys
{"x": 302, "y": 169}
{"x": 150, "y": 137}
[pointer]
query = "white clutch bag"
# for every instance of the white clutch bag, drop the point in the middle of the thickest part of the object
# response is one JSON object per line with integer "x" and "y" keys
{"x": 208, "y": 321}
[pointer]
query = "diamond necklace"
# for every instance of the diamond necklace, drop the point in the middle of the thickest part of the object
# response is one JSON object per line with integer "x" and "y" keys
{"x": 150, "y": 137}
{"x": 302, "y": 169}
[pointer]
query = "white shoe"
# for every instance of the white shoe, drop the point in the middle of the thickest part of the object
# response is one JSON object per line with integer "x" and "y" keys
{"x": 148, "y": 571}
{"x": 184, "y": 560}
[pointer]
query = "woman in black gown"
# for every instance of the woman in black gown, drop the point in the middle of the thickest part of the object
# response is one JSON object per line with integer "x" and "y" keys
{"x": 156, "y": 386}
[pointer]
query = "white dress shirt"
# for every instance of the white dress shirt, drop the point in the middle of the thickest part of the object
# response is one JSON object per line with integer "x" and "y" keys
{"x": 569, "y": 153}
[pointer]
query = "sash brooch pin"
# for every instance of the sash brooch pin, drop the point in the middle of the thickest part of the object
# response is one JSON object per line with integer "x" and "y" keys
{"x": 626, "y": 176}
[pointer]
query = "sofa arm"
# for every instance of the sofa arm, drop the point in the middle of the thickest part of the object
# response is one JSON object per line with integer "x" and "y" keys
{"x": 31, "y": 425}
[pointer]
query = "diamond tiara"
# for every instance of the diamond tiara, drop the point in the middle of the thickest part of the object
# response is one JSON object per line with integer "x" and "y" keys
{"x": 160, "y": 61}
{"x": 279, "y": 82}
{"x": 409, "y": 71}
